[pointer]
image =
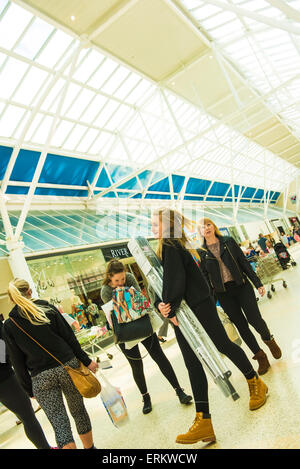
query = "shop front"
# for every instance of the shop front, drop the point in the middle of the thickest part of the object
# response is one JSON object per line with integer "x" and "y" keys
{"x": 72, "y": 281}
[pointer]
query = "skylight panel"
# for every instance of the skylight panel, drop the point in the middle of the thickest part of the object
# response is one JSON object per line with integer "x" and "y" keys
{"x": 74, "y": 137}
{"x": 218, "y": 20}
{"x": 10, "y": 120}
{"x": 3, "y": 4}
{"x": 80, "y": 103}
{"x": 63, "y": 129}
{"x": 103, "y": 73}
{"x": 54, "y": 49}
{"x": 94, "y": 108}
{"x": 88, "y": 66}
{"x": 12, "y": 25}
{"x": 140, "y": 92}
{"x": 42, "y": 133}
{"x": 34, "y": 38}
{"x": 49, "y": 103}
{"x": 205, "y": 11}
{"x": 115, "y": 81}
{"x": 30, "y": 86}
{"x": 119, "y": 118}
{"x": 103, "y": 144}
{"x": 10, "y": 76}
{"x": 71, "y": 95}
{"x": 126, "y": 88}
{"x": 87, "y": 140}
{"x": 106, "y": 113}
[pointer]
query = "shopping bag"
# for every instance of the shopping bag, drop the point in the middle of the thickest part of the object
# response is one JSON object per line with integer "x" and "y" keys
{"x": 130, "y": 318}
{"x": 113, "y": 402}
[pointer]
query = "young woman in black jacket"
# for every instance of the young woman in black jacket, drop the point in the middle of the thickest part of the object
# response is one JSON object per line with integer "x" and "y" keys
{"x": 116, "y": 276}
{"x": 14, "y": 398}
{"x": 183, "y": 279}
{"x": 39, "y": 374}
{"x": 227, "y": 271}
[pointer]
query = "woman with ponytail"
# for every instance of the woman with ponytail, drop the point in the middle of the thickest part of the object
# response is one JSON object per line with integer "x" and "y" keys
{"x": 39, "y": 374}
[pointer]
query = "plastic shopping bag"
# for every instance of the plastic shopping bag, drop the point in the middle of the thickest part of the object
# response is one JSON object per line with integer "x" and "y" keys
{"x": 113, "y": 402}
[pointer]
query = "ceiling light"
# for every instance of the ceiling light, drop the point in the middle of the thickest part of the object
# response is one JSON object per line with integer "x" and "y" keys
{"x": 73, "y": 18}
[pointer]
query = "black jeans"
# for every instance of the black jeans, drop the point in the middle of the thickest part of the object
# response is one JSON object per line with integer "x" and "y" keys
{"x": 16, "y": 400}
{"x": 240, "y": 305}
{"x": 207, "y": 315}
{"x": 154, "y": 349}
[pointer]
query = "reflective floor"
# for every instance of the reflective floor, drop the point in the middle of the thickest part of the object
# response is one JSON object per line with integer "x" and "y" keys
{"x": 275, "y": 425}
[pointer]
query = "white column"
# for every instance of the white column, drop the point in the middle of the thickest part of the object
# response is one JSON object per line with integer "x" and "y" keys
{"x": 18, "y": 265}
{"x": 239, "y": 230}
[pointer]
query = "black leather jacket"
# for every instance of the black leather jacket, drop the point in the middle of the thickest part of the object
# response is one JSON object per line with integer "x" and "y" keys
{"x": 234, "y": 259}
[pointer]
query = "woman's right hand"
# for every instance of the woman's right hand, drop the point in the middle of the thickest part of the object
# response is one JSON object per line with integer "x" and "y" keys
{"x": 165, "y": 309}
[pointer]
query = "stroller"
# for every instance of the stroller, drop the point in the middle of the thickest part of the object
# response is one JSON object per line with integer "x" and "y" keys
{"x": 283, "y": 255}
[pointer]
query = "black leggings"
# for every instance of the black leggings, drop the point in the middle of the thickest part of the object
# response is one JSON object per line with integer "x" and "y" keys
{"x": 16, "y": 400}
{"x": 207, "y": 315}
{"x": 240, "y": 305}
{"x": 154, "y": 349}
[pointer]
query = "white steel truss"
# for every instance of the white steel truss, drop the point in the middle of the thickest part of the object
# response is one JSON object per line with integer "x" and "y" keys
{"x": 89, "y": 106}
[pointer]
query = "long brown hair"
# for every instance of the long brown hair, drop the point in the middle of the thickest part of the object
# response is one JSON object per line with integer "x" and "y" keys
{"x": 18, "y": 290}
{"x": 176, "y": 224}
{"x": 204, "y": 221}
{"x": 113, "y": 267}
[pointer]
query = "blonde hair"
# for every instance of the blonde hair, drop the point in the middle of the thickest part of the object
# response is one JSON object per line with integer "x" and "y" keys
{"x": 177, "y": 224}
{"x": 17, "y": 291}
{"x": 204, "y": 221}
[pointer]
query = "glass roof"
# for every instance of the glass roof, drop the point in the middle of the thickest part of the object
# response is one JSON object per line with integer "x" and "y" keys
{"x": 262, "y": 39}
{"x": 90, "y": 107}
{"x": 66, "y": 229}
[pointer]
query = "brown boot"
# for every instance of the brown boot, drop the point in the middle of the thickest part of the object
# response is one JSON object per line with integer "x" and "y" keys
{"x": 201, "y": 430}
{"x": 275, "y": 350}
{"x": 258, "y": 393}
{"x": 263, "y": 362}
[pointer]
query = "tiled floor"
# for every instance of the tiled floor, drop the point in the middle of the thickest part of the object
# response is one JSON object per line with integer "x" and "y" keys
{"x": 275, "y": 425}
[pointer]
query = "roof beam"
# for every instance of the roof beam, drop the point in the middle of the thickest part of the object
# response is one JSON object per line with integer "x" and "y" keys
{"x": 272, "y": 22}
{"x": 288, "y": 10}
{"x": 44, "y": 153}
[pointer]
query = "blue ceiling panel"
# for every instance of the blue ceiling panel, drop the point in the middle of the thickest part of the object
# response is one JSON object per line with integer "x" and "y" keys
{"x": 132, "y": 184}
{"x": 248, "y": 193}
{"x": 158, "y": 196}
{"x": 17, "y": 190}
{"x": 118, "y": 172}
{"x": 61, "y": 192}
{"x": 177, "y": 182}
{"x": 5, "y": 154}
{"x": 161, "y": 186}
{"x": 259, "y": 194}
{"x": 197, "y": 186}
{"x": 219, "y": 188}
{"x": 103, "y": 180}
{"x": 68, "y": 171}
{"x": 25, "y": 166}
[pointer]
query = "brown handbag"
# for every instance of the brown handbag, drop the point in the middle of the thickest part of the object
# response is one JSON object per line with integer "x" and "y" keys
{"x": 84, "y": 380}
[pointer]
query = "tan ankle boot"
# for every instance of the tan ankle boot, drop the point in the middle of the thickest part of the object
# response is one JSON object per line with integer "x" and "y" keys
{"x": 201, "y": 430}
{"x": 258, "y": 393}
{"x": 263, "y": 362}
{"x": 275, "y": 350}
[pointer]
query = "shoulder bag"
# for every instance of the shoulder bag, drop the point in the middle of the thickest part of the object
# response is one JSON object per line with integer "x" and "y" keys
{"x": 83, "y": 379}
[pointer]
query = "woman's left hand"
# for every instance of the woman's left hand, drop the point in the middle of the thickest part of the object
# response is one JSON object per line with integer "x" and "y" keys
{"x": 174, "y": 321}
{"x": 261, "y": 291}
{"x": 93, "y": 366}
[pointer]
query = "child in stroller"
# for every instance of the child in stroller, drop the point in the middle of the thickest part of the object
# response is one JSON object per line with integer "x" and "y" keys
{"x": 283, "y": 255}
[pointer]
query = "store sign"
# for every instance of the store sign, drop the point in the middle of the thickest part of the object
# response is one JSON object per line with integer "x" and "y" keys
{"x": 116, "y": 252}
